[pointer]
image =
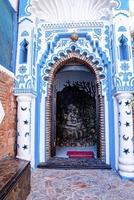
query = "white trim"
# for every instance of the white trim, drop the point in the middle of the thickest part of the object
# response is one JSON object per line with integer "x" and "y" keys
{"x": 6, "y": 71}
{"x": 2, "y": 112}
{"x": 14, "y": 4}
{"x": 106, "y": 130}
{"x": 28, "y": 158}
{"x": 124, "y": 95}
{"x": 33, "y": 133}
{"x": 42, "y": 129}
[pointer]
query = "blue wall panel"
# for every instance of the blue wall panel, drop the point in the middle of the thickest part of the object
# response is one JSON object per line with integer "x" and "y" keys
{"x": 7, "y": 28}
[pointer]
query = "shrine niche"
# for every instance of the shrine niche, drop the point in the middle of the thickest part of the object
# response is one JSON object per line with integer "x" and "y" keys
{"x": 76, "y": 115}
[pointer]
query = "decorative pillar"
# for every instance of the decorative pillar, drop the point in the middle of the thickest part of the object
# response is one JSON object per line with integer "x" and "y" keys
{"x": 125, "y": 123}
{"x": 26, "y": 82}
{"x": 24, "y": 127}
{"x": 123, "y": 73}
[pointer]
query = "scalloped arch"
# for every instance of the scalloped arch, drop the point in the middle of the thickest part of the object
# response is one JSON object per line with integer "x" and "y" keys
{"x": 58, "y": 64}
{"x": 72, "y": 48}
{"x": 63, "y": 56}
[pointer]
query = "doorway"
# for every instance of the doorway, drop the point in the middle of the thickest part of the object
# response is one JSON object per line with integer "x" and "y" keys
{"x": 75, "y": 111}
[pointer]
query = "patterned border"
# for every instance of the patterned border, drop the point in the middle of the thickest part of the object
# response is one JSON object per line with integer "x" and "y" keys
{"x": 73, "y": 25}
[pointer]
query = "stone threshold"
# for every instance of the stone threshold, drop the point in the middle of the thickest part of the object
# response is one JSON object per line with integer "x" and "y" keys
{"x": 74, "y": 163}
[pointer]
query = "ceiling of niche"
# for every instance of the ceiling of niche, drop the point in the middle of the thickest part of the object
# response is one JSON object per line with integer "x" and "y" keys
{"x": 71, "y": 10}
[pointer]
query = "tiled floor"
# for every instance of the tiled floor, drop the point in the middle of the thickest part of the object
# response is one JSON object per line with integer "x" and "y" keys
{"x": 51, "y": 184}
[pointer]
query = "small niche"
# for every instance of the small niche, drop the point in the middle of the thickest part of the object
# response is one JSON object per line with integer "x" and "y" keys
{"x": 23, "y": 51}
{"x": 123, "y": 47}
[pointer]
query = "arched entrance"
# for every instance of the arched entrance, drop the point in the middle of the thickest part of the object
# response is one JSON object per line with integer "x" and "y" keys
{"x": 73, "y": 57}
{"x": 75, "y": 119}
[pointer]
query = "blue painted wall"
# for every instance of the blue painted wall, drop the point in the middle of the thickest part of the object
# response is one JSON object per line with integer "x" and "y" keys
{"x": 23, "y": 8}
{"x": 123, "y": 4}
{"x": 8, "y": 27}
{"x": 37, "y": 118}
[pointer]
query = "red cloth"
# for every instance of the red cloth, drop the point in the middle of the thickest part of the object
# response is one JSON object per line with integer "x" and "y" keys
{"x": 80, "y": 154}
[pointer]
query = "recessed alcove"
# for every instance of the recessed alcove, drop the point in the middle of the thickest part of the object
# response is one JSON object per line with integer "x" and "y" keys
{"x": 75, "y": 110}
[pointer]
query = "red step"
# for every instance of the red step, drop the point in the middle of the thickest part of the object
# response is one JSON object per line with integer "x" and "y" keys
{"x": 80, "y": 154}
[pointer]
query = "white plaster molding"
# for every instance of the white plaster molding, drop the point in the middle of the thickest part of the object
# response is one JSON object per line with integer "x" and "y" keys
{"x": 131, "y": 5}
{"x": 24, "y": 97}
{"x": 71, "y": 25}
{"x": 71, "y": 10}
{"x": 6, "y": 71}
{"x": 14, "y": 4}
{"x": 124, "y": 95}
{"x": 2, "y": 112}
{"x": 27, "y": 158}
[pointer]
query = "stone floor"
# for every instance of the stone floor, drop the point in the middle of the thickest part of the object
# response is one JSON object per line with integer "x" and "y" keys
{"x": 51, "y": 184}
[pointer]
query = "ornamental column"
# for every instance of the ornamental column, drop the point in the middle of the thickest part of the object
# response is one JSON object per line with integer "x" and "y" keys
{"x": 126, "y": 148}
{"x": 24, "y": 127}
{"x": 26, "y": 82}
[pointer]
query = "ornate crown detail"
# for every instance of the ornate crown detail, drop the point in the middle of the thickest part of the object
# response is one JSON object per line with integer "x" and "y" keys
{"x": 74, "y": 37}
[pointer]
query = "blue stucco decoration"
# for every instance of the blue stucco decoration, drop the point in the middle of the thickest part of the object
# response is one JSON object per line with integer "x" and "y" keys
{"x": 22, "y": 69}
{"x": 121, "y": 13}
{"x": 48, "y": 34}
{"x": 123, "y": 89}
{"x": 85, "y": 29}
{"x": 34, "y": 54}
{"x": 23, "y": 8}
{"x": 125, "y": 81}
{"x": 7, "y": 28}
{"x": 122, "y": 4}
{"x": 64, "y": 38}
{"x": 25, "y": 34}
{"x": 59, "y": 45}
{"x": 82, "y": 50}
{"x": 122, "y": 29}
{"x": 39, "y": 34}
{"x": 25, "y": 19}
{"x": 98, "y": 31}
{"x": 123, "y": 48}
{"x": 131, "y": 82}
{"x": 107, "y": 37}
{"x": 21, "y": 79}
{"x": 124, "y": 67}
{"x": 125, "y": 76}
{"x": 23, "y": 51}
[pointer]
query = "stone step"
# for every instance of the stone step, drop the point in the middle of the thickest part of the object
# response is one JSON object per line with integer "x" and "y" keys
{"x": 74, "y": 163}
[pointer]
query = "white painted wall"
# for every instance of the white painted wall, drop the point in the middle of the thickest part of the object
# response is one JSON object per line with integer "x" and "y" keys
{"x": 71, "y": 10}
{"x": 14, "y": 4}
{"x": 131, "y": 5}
